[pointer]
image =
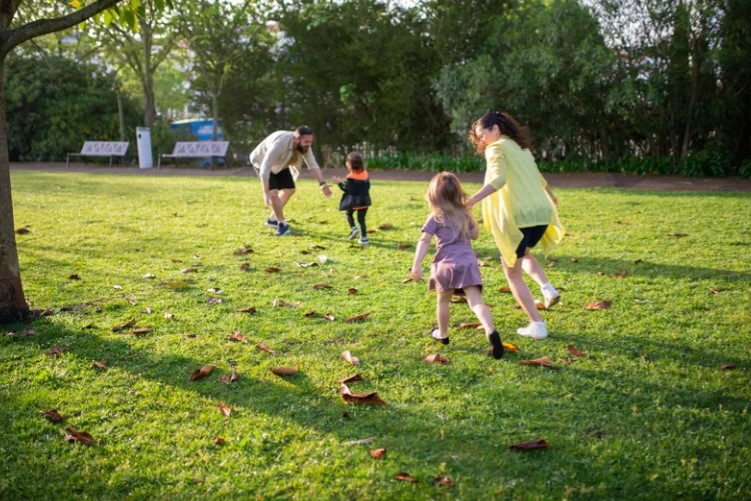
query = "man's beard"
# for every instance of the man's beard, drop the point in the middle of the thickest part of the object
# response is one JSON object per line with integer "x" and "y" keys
{"x": 302, "y": 149}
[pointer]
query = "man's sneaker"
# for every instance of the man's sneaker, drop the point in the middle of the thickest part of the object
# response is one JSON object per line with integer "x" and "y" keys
{"x": 550, "y": 296}
{"x": 272, "y": 223}
{"x": 354, "y": 232}
{"x": 364, "y": 240}
{"x": 535, "y": 330}
{"x": 282, "y": 229}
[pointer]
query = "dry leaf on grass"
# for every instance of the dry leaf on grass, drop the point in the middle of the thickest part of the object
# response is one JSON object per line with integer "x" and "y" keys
{"x": 362, "y": 441}
{"x": 245, "y": 267}
{"x": 99, "y": 365}
{"x": 504, "y": 288}
{"x": 284, "y": 371}
{"x": 305, "y": 265}
{"x": 329, "y": 316}
{"x": 539, "y": 305}
{"x": 714, "y": 290}
{"x": 263, "y": 347}
{"x": 443, "y": 481}
{"x": 357, "y": 318}
{"x": 251, "y": 310}
{"x": 218, "y": 441}
{"x": 437, "y": 359}
{"x": 323, "y": 258}
{"x": 213, "y": 300}
{"x": 530, "y": 446}
{"x": 386, "y": 226}
{"x": 322, "y": 286}
{"x": 406, "y": 280}
{"x": 188, "y": 270}
{"x": 405, "y": 477}
{"x": 233, "y": 377}
{"x": 575, "y": 351}
{"x": 201, "y": 373}
{"x": 346, "y": 355}
{"x": 603, "y": 304}
{"x": 78, "y": 436}
{"x": 241, "y": 251}
{"x": 281, "y": 303}
{"x": 727, "y": 367}
{"x": 149, "y": 276}
{"x": 310, "y": 314}
{"x": 510, "y": 347}
{"x": 404, "y": 246}
{"x": 458, "y": 299}
{"x": 142, "y": 330}
{"x": 620, "y": 274}
{"x": 360, "y": 398}
{"x": 169, "y": 316}
{"x": 225, "y": 409}
{"x": 74, "y": 276}
{"x": 350, "y": 379}
{"x": 236, "y": 336}
{"x": 469, "y": 325}
{"x": 378, "y": 453}
{"x": 542, "y": 362}
{"x": 352, "y": 291}
{"x": 56, "y": 350}
{"x": 23, "y": 231}
{"x": 129, "y": 323}
{"x": 53, "y": 415}
{"x": 272, "y": 269}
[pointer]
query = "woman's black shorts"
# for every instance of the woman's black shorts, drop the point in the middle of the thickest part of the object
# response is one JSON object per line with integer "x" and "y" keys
{"x": 531, "y": 236}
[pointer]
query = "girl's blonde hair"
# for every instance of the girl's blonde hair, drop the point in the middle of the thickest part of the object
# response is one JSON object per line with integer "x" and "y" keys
{"x": 448, "y": 202}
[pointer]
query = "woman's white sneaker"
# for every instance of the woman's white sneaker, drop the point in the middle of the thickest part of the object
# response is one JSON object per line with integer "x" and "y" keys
{"x": 550, "y": 295}
{"x": 535, "y": 330}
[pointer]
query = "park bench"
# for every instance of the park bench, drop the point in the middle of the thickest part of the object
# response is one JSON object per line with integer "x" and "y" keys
{"x": 100, "y": 149}
{"x": 196, "y": 149}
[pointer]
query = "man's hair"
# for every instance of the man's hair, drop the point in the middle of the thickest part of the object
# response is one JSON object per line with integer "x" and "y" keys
{"x": 303, "y": 130}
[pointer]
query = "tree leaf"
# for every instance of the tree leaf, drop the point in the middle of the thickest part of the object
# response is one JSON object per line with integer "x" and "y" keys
{"x": 406, "y": 477}
{"x": 100, "y": 365}
{"x": 603, "y": 304}
{"x": 352, "y": 291}
{"x": 142, "y": 330}
{"x": 281, "y": 303}
{"x": 346, "y": 355}
{"x": 437, "y": 359}
{"x": 188, "y": 270}
{"x": 727, "y": 367}
{"x": 329, "y": 316}
{"x": 359, "y": 398}
{"x": 213, "y": 300}
{"x": 272, "y": 269}
{"x": 350, "y": 379}
{"x": 78, "y": 436}
{"x": 378, "y": 453}
{"x": 504, "y": 289}
{"x": 510, "y": 347}
{"x": 284, "y": 371}
{"x": 149, "y": 276}
{"x": 56, "y": 350}
{"x": 218, "y": 441}
{"x": 265, "y": 348}
{"x": 575, "y": 351}
{"x": 542, "y": 361}
{"x": 443, "y": 481}
{"x": 245, "y": 267}
{"x": 404, "y": 246}
{"x": 129, "y": 323}
{"x": 530, "y": 446}
{"x": 236, "y": 336}
{"x": 322, "y": 286}
{"x": 241, "y": 251}
{"x": 250, "y": 310}
{"x": 74, "y": 276}
{"x": 357, "y": 318}
{"x": 305, "y": 265}
{"x": 201, "y": 373}
{"x": 386, "y": 226}
{"x": 225, "y": 409}
{"x": 53, "y": 415}
{"x": 469, "y": 325}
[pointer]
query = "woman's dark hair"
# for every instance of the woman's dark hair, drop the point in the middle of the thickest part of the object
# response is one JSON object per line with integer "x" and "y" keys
{"x": 356, "y": 162}
{"x": 303, "y": 130}
{"x": 508, "y": 126}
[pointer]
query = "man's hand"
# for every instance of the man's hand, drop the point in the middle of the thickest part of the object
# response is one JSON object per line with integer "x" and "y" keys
{"x": 267, "y": 199}
{"x": 326, "y": 190}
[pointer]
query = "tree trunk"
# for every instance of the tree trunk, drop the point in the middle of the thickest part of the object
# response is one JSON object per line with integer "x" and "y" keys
{"x": 13, "y": 305}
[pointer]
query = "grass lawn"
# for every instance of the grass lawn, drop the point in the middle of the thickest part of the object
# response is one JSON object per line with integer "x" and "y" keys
{"x": 649, "y": 413}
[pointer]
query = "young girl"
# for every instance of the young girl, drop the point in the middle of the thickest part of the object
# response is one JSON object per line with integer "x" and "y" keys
{"x": 454, "y": 268}
{"x": 356, "y": 196}
{"x": 519, "y": 210}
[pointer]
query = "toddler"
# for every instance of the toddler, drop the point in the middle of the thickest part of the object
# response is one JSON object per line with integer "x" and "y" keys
{"x": 355, "y": 196}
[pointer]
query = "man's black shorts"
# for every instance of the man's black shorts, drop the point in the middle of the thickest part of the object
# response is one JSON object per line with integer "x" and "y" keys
{"x": 531, "y": 236}
{"x": 282, "y": 181}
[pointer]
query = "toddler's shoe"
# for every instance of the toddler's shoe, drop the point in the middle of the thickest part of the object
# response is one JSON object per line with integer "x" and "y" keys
{"x": 354, "y": 232}
{"x": 496, "y": 345}
{"x": 434, "y": 335}
{"x": 550, "y": 295}
{"x": 535, "y": 330}
{"x": 283, "y": 229}
{"x": 271, "y": 222}
{"x": 364, "y": 240}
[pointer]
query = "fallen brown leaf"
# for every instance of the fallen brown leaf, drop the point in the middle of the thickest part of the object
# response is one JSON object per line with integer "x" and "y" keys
{"x": 542, "y": 361}
{"x": 443, "y": 481}
{"x": 352, "y": 291}
{"x": 360, "y": 398}
{"x": 322, "y": 286}
{"x": 386, "y": 226}
{"x": 329, "y": 316}
{"x": 129, "y": 323}
{"x": 78, "y": 436}
{"x": 504, "y": 288}
{"x": 201, "y": 373}
{"x": 281, "y": 303}
{"x": 225, "y": 409}
{"x": 99, "y": 365}
{"x": 29, "y": 332}
{"x": 574, "y": 351}
{"x": 236, "y": 336}
{"x": 142, "y": 330}
{"x": 305, "y": 265}
{"x": 53, "y": 415}
{"x": 169, "y": 316}
{"x": 539, "y": 305}
{"x": 149, "y": 276}
{"x": 310, "y": 314}
{"x": 638, "y": 261}
{"x": 263, "y": 347}
{"x": 218, "y": 441}
{"x": 350, "y": 379}
{"x": 231, "y": 378}
{"x": 405, "y": 477}
{"x": 469, "y": 325}
{"x": 346, "y": 355}
{"x": 727, "y": 367}
{"x": 23, "y": 231}
{"x": 74, "y": 276}
{"x": 241, "y": 251}
{"x": 56, "y": 350}
{"x": 714, "y": 290}
{"x": 406, "y": 280}
{"x": 603, "y": 304}
{"x": 272, "y": 269}
{"x": 356, "y": 318}
{"x": 437, "y": 359}
{"x": 530, "y": 446}
{"x": 458, "y": 299}
{"x": 378, "y": 453}
{"x": 284, "y": 371}
{"x": 250, "y": 310}
{"x": 213, "y": 300}
{"x": 404, "y": 246}
{"x": 188, "y": 270}
{"x": 362, "y": 441}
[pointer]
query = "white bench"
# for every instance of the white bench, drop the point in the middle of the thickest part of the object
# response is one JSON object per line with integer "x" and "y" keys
{"x": 100, "y": 149}
{"x": 196, "y": 149}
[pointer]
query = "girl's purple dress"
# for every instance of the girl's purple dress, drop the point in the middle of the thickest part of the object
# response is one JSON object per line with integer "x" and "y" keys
{"x": 455, "y": 264}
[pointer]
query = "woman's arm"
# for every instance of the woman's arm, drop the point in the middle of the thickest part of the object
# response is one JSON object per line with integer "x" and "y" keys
{"x": 486, "y": 190}
{"x": 552, "y": 197}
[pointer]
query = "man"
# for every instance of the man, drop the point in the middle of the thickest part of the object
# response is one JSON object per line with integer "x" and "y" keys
{"x": 274, "y": 160}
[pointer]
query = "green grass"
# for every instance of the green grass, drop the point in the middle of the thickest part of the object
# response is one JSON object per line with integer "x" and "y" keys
{"x": 649, "y": 415}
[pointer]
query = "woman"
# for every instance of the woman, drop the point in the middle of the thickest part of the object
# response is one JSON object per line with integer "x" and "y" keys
{"x": 518, "y": 209}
